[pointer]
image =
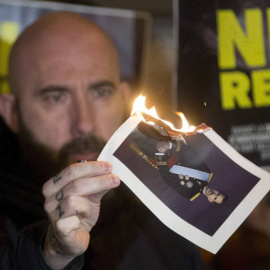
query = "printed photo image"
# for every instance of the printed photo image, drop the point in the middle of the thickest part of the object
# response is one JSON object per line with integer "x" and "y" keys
{"x": 190, "y": 175}
{"x": 195, "y": 183}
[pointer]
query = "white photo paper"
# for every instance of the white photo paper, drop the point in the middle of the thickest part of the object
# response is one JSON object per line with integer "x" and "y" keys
{"x": 183, "y": 184}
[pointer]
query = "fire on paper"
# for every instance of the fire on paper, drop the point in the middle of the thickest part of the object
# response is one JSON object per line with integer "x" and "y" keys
{"x": 191, "y": 179}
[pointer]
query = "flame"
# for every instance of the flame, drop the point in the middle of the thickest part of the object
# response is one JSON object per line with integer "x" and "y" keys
{"x": 139, "y": 108}
{"x": 185, "y": 125}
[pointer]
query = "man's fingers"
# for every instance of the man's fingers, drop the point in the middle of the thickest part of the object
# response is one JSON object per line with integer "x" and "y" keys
{"x": 75, "y": 171}
{"x": 93, "y": 185}
{"x": 70, "y": 236}
{"x": 71, "y": 206}
{"x": 80, "y": 187}
{"x": 65, "y": 226}
{"x": 96, "y": 198}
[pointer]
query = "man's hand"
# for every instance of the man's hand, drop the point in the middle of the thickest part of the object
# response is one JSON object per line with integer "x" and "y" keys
{"x": 72, "y": 204}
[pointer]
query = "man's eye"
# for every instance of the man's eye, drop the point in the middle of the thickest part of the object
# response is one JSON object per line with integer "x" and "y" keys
{"x": 54, "y": 98}
{"x": 103, "y": 92}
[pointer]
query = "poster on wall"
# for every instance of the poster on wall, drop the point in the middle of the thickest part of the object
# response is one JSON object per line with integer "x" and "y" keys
{"x": 223, "y": 71}
{"x": 129, "y": 30}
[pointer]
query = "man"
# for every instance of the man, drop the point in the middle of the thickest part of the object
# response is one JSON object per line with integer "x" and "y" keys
{"x": 179, "y": 164}
{"x": 67, "y": 100}
{"x": 186, "y": 172}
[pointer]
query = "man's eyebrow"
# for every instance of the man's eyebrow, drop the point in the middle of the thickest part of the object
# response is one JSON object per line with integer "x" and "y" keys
{"x": 50, "y": 89}
{"x": 102, "y": 83}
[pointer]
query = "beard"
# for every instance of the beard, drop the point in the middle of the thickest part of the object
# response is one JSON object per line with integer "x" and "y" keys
{"x": 80, "y": 146}
{"x": 39, "y": 163}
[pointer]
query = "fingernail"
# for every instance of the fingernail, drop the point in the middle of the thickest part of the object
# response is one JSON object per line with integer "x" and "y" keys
{"x": 115, "y": 179}
{"x": 107, "y": 167}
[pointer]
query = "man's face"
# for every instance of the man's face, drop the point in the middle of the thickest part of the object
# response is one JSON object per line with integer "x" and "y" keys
{"x": 72, "y": 100}
{"x": 213, "y": 195}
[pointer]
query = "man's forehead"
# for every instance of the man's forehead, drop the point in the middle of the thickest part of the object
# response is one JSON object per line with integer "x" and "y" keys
{"x": 60, "y": 39}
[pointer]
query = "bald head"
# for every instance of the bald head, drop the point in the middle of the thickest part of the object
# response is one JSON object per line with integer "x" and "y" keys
{"x": 64, "y": 34}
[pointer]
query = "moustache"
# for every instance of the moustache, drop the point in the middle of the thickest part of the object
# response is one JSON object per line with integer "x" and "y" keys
{"x": 84, "y": 144}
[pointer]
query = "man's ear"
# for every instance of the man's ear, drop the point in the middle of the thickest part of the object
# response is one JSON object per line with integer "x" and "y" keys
{"x": 8, "y": 111}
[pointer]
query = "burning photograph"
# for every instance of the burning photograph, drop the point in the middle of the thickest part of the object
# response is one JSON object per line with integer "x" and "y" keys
{"x": 189, "y": 175}
{"x": 192, "y": 180}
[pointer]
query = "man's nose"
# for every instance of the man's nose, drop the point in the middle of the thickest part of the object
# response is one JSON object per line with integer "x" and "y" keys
{"x": 83, "y": 119}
